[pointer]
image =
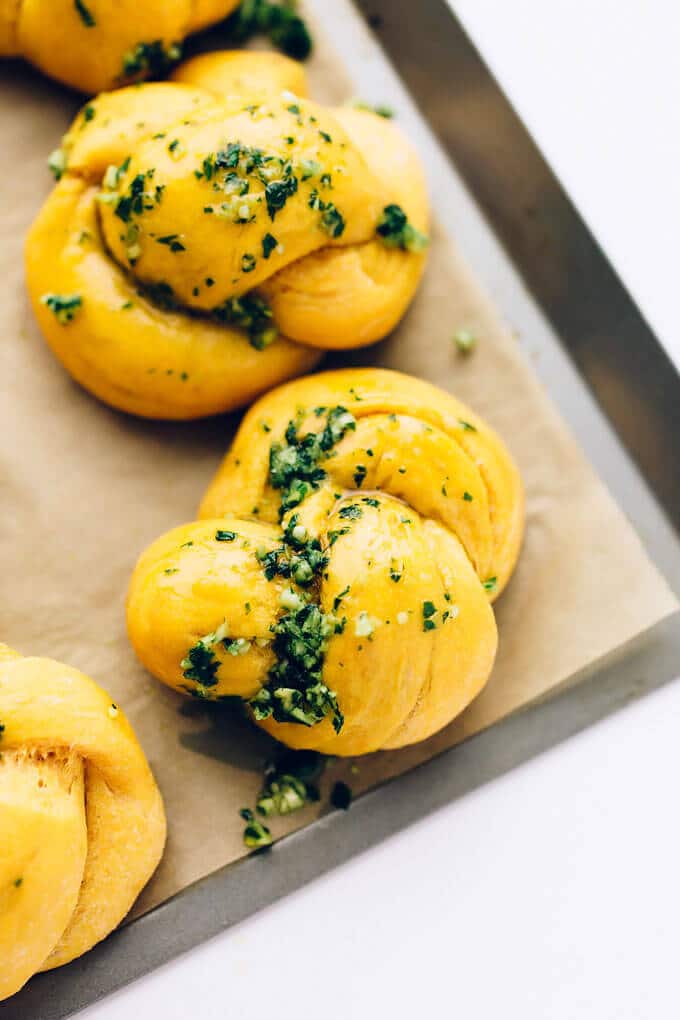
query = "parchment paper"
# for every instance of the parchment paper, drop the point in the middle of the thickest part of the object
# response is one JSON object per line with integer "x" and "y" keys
{"x": 84, "y": 489}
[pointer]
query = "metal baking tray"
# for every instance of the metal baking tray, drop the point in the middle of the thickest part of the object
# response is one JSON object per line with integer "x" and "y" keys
{"x": 603, "y": 368}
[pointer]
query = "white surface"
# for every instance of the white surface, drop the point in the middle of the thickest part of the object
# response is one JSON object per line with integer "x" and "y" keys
{"x": 552, "y": 893}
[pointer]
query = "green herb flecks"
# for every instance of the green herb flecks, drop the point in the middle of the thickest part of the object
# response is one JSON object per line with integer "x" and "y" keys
{"x": 200, "y": 663}
{"x": 295, "y": 691}
{"x": 86, "y": 15}
{"x": 491, "y": 584}
{"x": 255, "y": 835}
{"x": 299, "y": 557}
{"x": 351, "y": 512}
{"x": 138, "y": 197}
{"x": 252, "y": 314}
{"x": 279, "y": 21}
{"x": 269, "y": 244}
{"x": 289, "y": 783}
{"x": 282, "y": 795}
{"x": 172, "y": 241}
{"x": 221, "y": 535}
{"x": 429, "y": 610}
{"x": 331, "y": 221}
{"x": 277, "y": 193}
{"x": 465, "y": 341}
{"x": 295, "y": 464}
{"x": 150, "y": 60}
{"x": 56, "y": 163}
{"x": 380, "y": 110}
{"x": 63, "y": 306}
{"x": 395, "y": 231}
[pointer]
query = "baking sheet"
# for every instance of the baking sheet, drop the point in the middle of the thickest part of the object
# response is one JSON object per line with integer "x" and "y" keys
{"x": 89, "y": 486}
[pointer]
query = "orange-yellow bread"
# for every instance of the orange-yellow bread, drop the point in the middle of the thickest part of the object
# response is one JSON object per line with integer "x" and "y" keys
{"x": 341, "y": 577}
{"x": 209, "y": 236}
{"x": 98, "y": 44}
{"x": 82, "y": 826}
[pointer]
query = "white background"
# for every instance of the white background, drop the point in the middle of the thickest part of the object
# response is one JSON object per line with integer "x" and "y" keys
{"x": 551, "y": 894}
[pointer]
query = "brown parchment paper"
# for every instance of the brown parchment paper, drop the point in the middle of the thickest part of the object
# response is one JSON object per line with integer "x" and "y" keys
{"x": 84, "y": 489}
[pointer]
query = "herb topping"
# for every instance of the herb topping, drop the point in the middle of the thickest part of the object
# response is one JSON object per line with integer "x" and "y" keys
{"x": 395, "y": 231}
{"x": 63, "y": 306}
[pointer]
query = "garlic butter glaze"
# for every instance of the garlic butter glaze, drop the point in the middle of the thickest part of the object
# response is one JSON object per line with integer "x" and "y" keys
{"x": 341, "y": 578}
{"x": 199, "y": 248}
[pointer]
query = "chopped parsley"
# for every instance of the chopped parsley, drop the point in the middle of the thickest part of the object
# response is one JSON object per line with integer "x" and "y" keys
{"x": 490, "y": 584}
{"x": 465, "y": 341}
{"x": 248, "y": 262}
{"x": 288, "y": 785}
{"x": 295, "y": 464}
{"x": 56, "y": 163}
{"x": 255, "y": 835}
{"x": 332, "y": 221}
{"x": 380, "y": 110}
{"x": 200, "y": 664}
{"x": 395, "y": 231}
{"x": 250, "y": 313}
{"x": 467, "y": 496}
{"x": 85, "y": 13}
{"x": 359, "y": 475}
{"x": 172, "y": 241}
{"x": 351, "y": 512}
{"x": 429, "y": 610}
{"x": 279, "y": 21}
{"x": 150, "y": 59}
{"x": 225, "y": 536}
{"x": 300, "y": 556}
{"x": 63, "y": 306}
{"x": 295, "y": 691}
{"x": 282, "y": 795}
{"x": 277, "y": 193}
{"x": 334, "y": 535}
{"x": 136, "y": 199}
{"x": 269, "y": 243}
